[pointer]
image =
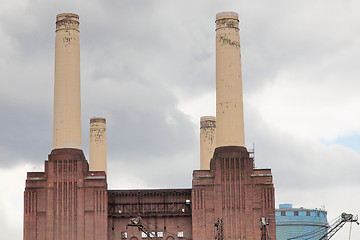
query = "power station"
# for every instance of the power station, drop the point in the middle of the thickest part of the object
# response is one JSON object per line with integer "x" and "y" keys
{"x": 70, "y": 200}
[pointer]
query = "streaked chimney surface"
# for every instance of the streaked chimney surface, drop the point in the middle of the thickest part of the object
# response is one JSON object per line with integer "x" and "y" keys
{"x": 207, "y": 141}
{"x": 229, "y": 99}
{"x": 98, "y": 161}
{"x": 67, "y": 105}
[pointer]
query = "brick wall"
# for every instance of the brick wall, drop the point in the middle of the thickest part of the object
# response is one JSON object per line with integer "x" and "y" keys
{"x": 69, "y": 202}
{"x": 164, "y": 211}
{"x": 233, "y": 191}
{"x": 66, "y": 201}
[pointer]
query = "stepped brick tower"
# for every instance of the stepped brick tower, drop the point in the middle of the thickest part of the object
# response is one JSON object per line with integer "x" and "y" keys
{"x": 66, "y": 201}
{"x": 230, "y": 199}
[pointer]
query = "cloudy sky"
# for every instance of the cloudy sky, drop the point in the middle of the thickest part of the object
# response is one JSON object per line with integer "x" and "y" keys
{"x": 148, "y": 67}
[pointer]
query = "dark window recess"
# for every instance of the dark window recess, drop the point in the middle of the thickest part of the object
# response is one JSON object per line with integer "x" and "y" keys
{"x": 307, "y": 213}
{"x": 296, "y": 213}
{"x": 283, "y": 213}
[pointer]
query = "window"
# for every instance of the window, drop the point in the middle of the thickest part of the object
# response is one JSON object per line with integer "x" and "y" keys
{"x": 283, "y": 213}
{"x": 307, "y": 213}
{"x": 318, "y": 214}
{"x": 180, "y": 234}
{"x": 123, "y": 235}
{"x": 160, "y": 234}
{"x": 151, "y": 235}
{"x": 296, "y": 213}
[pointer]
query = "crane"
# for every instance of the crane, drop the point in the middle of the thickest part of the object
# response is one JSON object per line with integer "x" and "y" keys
{"x": 331, "y": 230}
{"x": 344, "y": 218}
{"x": 264, "y": 229}
{"x": 219, "y": 229}
{"x": 150, "y": 234}
{"x": 136, "y": 222}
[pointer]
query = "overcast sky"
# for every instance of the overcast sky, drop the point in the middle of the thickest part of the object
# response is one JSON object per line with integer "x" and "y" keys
{"x": 148, "y": 67}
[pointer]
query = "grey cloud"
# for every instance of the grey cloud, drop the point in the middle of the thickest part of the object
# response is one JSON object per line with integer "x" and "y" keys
{"x": 301, "y": 37}
{"x": 304, "y": 163}
{"x": 140, "y": 115}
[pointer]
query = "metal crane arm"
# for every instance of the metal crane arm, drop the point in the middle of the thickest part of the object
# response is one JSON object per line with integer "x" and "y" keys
{"x": 344, "y": 218}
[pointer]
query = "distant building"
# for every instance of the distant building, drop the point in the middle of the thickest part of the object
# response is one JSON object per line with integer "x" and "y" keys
{"x": 293, "y": 222}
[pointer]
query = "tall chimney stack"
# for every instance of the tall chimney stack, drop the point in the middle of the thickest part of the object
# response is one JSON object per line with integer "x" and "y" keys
{"x": 67, "y": 106}
{"x": 97, "y": 157}
{"x": 207, "y": 141}
{"x": 229, "y": 99}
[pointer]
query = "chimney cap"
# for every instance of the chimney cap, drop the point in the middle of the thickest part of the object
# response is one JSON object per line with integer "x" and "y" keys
{"x": 97, "y": 119}
{"x": 222, "y": 15}
{"x": 67, "y": 21}
{"x": 62, "y": 16}
{"x": 207, "y": 118}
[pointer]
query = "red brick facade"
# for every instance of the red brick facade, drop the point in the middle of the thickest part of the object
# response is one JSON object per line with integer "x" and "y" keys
{"x": 162, "y": 210}
{"x": 67, "y": 202}
{"x": 233, "y": 191}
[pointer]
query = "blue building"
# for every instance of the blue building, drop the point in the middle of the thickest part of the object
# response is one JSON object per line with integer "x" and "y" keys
{"x": 293, "y": 222}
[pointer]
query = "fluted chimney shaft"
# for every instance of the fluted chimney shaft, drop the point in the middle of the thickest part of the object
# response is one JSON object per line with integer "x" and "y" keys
{"x": 67, "y": 106}
{"x": 229, "y": 98}
{"x": 207, "y": 141}
{"x": 98, "y": 160}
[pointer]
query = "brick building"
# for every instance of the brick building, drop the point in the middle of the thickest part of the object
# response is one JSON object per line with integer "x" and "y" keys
{"x": 229, "y": 199}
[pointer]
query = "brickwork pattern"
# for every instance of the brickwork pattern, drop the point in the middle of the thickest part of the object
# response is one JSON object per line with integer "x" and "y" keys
{"x": 235, "y": 192}
{"x": 66, "y": 202}
{"x": 161, "y": 210}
